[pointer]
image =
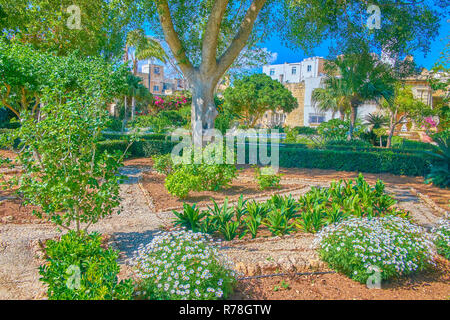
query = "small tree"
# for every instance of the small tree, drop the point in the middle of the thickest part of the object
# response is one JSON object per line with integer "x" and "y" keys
{"x": 252, "y": 96}
{"x": 403, "y": 106}
{"x": 64, "y": 173}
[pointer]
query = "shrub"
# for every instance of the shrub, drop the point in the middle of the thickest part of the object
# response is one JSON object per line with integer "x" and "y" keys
{"x": 305, "y": 130}
{"x": 183, "y": 265}
{"x": 78, "y": 268}
{"x": 441, "y": 233}
{"x": 391, "y": 245}
{"x": 163, "y": 163}
{"x": 189, "y": 218}
{"x": 375, "y": 162}
{"x": 205, "y": 175}
{"x": 72, "y": 180}
{"x": 336, "y": 129}
{"x": 182, "y": 181}
{"x": 351, "y": 143}
{"x": 267, "y": 178}
{"x": 440, "y": 172}
{"x": 114, "y": 124}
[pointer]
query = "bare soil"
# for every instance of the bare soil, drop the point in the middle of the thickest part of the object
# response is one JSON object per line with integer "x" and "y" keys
{"x": 163, "y": 201}
{"x": 432, "y": 285}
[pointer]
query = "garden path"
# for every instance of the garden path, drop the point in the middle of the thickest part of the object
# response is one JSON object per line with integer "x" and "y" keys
{"x": 137, "y": 223}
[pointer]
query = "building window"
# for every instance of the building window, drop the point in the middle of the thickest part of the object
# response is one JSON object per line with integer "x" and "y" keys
{"x": 272, "y": 72}
{"x": 315, "y": 118}
{"x": 281, "y": 78}
{"x": 155, "y": 88}
{"x": 294, "y": 70}
{"x": 156, "y": 70}
{"x": 309, "y": 68}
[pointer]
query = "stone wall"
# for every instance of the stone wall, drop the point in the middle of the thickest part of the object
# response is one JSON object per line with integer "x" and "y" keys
{"x": 296, "y": 117}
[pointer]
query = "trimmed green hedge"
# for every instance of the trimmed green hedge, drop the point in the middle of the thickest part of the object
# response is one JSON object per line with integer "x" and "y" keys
{"x": 119, "y": 136}
{"x": 140, "y": 148}
{"x": 373, "y": 162}
{"x": 348, "y": 160}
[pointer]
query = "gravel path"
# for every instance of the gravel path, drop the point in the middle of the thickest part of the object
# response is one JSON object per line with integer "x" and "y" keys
{"x": 137, "y": 223}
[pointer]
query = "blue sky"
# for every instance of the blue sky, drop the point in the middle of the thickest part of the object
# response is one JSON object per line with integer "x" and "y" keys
{"x": 284, "y": 54}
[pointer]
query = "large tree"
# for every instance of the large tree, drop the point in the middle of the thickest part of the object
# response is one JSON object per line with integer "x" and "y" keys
{"x": 252, "y": 96}
{"x": 206, "y": 37}
{"x": 26, "y": 74}
{"x": 53, "y": 25}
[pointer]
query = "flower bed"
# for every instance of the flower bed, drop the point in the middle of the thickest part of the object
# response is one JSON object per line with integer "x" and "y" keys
{"x": 182, "y": 265}
{"x": 442, "y": 237}
{"x": 389, "y": 245}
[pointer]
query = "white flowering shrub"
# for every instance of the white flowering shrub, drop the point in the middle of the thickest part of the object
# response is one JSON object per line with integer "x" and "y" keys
{"x": 391, "y": 245}
{"x": 182, "y": 264}
{"x": 441, "y": 235}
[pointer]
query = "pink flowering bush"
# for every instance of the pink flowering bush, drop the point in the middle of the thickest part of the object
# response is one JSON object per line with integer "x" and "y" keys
{"x": 170, "y": 102}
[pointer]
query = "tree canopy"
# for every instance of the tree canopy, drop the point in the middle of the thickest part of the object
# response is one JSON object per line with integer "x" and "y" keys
{"x": 26, "y": 74}
{"x": 251, "y": 96}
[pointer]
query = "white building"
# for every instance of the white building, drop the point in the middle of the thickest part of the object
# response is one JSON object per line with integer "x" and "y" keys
{"x": 310, "y": 72}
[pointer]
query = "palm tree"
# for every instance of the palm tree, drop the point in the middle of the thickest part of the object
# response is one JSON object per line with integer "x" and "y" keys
{"x": 144, "y": 48}
{"x": 376, "y": 120}
{"x": 359, "y": 77}
{"x": 331, "y": 97}
{"x": 137, "y": 91}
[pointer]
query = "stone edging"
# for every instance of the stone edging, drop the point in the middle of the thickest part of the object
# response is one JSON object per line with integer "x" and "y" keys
{"x": 254, "y": 197}
{"x": 429, "y": 202}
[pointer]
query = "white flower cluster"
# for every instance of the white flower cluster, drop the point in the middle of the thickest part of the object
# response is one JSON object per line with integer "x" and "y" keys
{"x": 441, "y": 232}
{"x": 391, "y": 243}
{"x": 181, "y": 264}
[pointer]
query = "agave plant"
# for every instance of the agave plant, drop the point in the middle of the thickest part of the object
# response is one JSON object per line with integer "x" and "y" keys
{"x": 190, "y": 217}
{"x": 221, "y": 215}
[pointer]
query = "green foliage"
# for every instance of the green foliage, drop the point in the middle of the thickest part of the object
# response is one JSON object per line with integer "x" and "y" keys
{"x": 349, "y": 160}
{"x": 267, "y": 178}
{"x": 163, "y": 163}
{"x": 284, "y": 214}
{"x": 199, "y": 175}
{"x": 79, "y": 268}
{"x": 336, "y": 129}
{"x": 65, "y": 174}
{"x": 181, "y": 181}
{"x": 251, "y": 96}
{"x": 352, "y": 143}
{"x": 114, "y": 125}
{"x": 23, "y": 88}
{"x": 388, "y": 246}
{"x": 189, "y": 218}
{"x": 183, "y": 265}
{"x": 440, "y": 171}
{"x": 441, "y": 237}
{"x": 305, "y": 130}
{"x": 43, "y": 24}
{"x": 320, "y": 207}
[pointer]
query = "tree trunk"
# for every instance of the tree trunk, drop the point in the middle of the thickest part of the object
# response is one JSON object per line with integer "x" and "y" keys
{"x": 203, "y": 111}
{"x": 133, "y": 107}
{"x": 353, "y": 116}
{"x": 342, "y": 115}
{"x": 124, "y": 123}
{"x": 392, "y": 124}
